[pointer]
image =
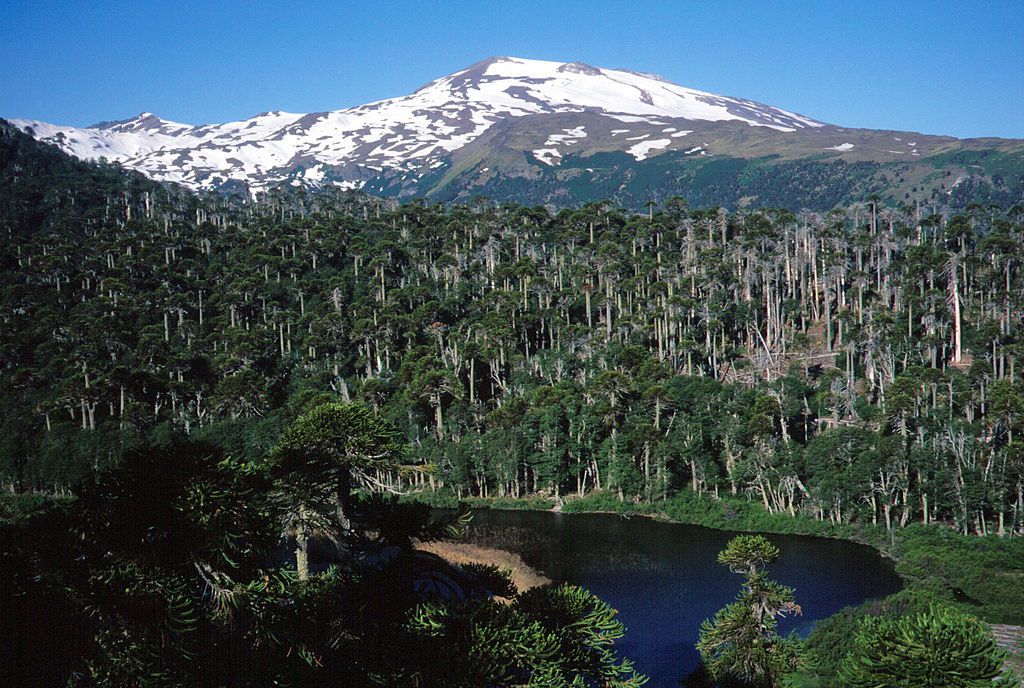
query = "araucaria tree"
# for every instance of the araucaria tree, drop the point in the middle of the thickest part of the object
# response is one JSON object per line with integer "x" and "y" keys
{"x": 318, "y": 459}
{"x": 940, "y": 648}
{"x": 742, "y": 646}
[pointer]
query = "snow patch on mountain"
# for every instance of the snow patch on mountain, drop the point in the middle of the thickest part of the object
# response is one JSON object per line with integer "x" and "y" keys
{"x": 641, "y": 150}
{"x": 568, "y": 136}
{"x": 548, "y": 156}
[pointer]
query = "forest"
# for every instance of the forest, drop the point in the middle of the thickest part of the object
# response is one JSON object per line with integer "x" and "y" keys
{"x": 856, "y": 367}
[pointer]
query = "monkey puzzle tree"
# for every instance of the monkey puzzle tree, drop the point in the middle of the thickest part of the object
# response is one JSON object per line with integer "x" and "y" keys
{"x": 319, "y": 458}
{"x": 939, "y": 648}
{"x": 741, "y": 646}
{"x": 559, "y": 636}
{"x": 434, "y": 383}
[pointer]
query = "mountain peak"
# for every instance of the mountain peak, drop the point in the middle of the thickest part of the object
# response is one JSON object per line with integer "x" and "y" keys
{"x": 139, "y": 119}
{"x": 144, "y": 121}
{"x": 580, "y": 68}
{"x": 590, "y": 107}
{"x": 487, "y": 62}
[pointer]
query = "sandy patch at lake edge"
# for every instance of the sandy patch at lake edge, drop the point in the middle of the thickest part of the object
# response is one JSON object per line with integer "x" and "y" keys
{"x": 458, "y": 553}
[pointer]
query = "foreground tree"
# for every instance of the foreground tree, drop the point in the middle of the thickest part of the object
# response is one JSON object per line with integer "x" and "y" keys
{"x": 346, "y": 443}
{"x": 940, "y": 648}
{"x": 553, "y": 636}
{"x": 742, "y": 646}
{"x": 319, "y": 459}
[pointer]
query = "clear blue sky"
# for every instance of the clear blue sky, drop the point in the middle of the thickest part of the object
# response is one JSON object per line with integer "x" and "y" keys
{"x": 935, "y": 67}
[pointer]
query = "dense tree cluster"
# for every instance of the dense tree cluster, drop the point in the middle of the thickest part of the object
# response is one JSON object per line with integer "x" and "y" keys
{"x": 853, "y": 365}
{"x": 170, "y": 570}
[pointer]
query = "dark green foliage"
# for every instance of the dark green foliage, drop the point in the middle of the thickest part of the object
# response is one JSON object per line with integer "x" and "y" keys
{"x": 741, "y": 646}
{"x": 333, "y": 434}
{"x": 748, "y": 554}
{"x": 982, "y": 575}
{"x": 553, "y": 636}
{"x": 36, "y": 177}
{"x": 184, "y": 580}
{"x": 830, "y": 641}
{"x": 44, "y": 634}
{"x": 938, "y": 648}
{"x": 331, "y": 446}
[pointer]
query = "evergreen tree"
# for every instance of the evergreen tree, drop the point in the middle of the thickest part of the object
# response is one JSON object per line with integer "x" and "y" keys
{"x": 741, "y": 646}
{"x": 939, "y": 648}
{"x": 316, "y": 461}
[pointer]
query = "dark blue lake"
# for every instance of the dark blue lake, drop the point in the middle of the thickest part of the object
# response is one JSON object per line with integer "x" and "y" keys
{"x": 664, "y": 580}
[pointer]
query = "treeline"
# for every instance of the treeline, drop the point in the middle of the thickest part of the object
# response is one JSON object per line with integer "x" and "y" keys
{"x": 952, "y": 180}
{"x": 857, "y": 365}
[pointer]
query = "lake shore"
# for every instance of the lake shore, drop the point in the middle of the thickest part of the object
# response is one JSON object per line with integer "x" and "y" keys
{"x": 523, "y": 576}
{"x": 726, "y": 513}
{"x": 979, "y": 574}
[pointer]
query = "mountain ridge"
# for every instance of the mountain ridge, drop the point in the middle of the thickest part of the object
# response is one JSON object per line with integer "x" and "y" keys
{"x": 552, "y": 113}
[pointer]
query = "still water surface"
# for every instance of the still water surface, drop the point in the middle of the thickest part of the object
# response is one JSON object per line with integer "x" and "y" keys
{"x": 664, "y": 580}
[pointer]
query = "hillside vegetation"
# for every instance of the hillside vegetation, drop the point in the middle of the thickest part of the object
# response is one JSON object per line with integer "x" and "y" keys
{"x": 858, "y": 365}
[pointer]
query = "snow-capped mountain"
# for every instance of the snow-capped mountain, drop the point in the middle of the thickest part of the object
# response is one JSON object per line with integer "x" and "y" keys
{"x": 416, "y": 133}
{"x": 550, "y": 132}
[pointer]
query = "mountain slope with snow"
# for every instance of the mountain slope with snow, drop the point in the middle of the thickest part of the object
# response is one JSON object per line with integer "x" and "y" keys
{"x": 410, "y": 133}
{"x": 504, "y": 123}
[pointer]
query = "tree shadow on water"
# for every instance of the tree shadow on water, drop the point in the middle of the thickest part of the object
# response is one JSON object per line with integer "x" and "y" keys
{"x": 701, "y": 678}
{"x": 698, "y": 678}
